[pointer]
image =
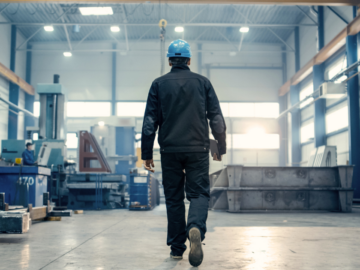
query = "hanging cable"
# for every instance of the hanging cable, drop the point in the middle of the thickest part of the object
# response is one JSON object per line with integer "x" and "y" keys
{"x": 4, "y": 8}
{"x": 17, "y": 9}
{"x": 132, "y": 12}
{"x": 46, "y": 8}
{"x": 27, "y": 9}
{"x": 147, "y": 14}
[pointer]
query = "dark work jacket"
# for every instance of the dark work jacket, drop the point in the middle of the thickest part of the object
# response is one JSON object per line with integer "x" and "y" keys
{"x": 28, "y": 157}
{"x": 180, "y": 104}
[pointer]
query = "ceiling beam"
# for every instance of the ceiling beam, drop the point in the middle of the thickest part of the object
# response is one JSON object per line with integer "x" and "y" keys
{"x": 11, "y": 76}
{"x": 255, "y": 25}
{"x": 252, "y": 2}
{"x": 324, "y": 54}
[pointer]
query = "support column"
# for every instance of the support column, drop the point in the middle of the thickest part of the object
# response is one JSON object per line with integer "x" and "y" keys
{"x": 354, "y": 118}
{"x": 113, "y": 82}
{"x": 29, "y": 99}
{"x": 297, "y": 48}
{"x": 283, "y": 121}
{"x": 318, "y": 79}
{"x": 200, "y": 59}
{"x": 13, "y": 90}
{"x": 295, "y": 127}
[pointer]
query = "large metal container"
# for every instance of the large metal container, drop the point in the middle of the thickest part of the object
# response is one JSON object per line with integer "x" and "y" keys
{"x": 238, "y": 188}
{"x": 144, "y": 192}
{"x": 24, "y": 185}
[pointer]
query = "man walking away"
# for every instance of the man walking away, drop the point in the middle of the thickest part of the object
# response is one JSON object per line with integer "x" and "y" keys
{"x": 180, "y": 103}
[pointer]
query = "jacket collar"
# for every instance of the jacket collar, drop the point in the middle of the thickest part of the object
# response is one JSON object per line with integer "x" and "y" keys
{"x": 180, "y": 67}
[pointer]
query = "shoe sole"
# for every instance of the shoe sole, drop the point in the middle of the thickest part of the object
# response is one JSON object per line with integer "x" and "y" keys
{"x": 176, "y": 257}
{"x": 196, "y": 254}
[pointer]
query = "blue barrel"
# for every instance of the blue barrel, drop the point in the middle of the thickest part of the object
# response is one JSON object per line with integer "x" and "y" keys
{"x": 24, "y": 185}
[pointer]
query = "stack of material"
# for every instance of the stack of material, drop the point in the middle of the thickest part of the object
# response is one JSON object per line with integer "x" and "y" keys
{"x": 238, "y": 188}
{"x": 14, "y": 222}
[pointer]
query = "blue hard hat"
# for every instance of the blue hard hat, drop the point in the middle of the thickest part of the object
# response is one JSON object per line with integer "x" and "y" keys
{"x": 179, "y": 48}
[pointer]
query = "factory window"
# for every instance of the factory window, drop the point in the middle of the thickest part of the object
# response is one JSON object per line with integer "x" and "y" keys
{"x": 252, "y": 141}
{"x": 88, "y": 109}
{"x": 130, "y": 109}
{"x": 37, "y": 108}
{"x": 337, "y": 119}
{"x": 307, "y": 132}
{"x": 336, "y": 68}
{"x": 304, "y": 92}
{"x": 249, "y": 109}
{"x": 72, "y": 140}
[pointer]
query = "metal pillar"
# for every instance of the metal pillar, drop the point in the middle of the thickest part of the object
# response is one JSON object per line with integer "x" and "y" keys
{"x": 113, "y": 82}
{"x": 29, "y": 99}
{"x": 318, "y": 79}
{"x": 13, "y": 90}
{"x": 355, "y": 11}
{"x": 297, "y": 48}
{"x": 295, "y": 127}
{"x": 283, "y": 120}
{"x": 354, "y": 118}
{"x": 200, "y": 59}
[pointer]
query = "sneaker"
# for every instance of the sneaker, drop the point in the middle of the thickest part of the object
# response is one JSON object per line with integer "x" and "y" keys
{"x": 196, "y": 254}
{"x": 175, "y": 257}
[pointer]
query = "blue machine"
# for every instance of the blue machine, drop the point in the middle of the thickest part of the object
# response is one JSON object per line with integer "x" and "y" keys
{"x": 144, "y": 192}
{"x": 24, "y": 185}
{"x": 12, "y": 149}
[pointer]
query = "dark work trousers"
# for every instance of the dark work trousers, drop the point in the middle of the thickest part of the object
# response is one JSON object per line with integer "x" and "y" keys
{"x": 197, "y": 190}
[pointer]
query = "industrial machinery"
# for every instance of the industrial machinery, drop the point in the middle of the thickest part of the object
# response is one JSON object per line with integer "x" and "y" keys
{"x": 98, "y": 190}
{"x": 238, "y": 188}
{"x": 144, "y": 192}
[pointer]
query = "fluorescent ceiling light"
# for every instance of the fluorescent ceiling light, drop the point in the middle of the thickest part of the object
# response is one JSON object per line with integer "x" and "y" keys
{"x": 244, "y": 29}
{"x": 86, "y": 11}
{"x": 49, "y": 28}
{"x": 179, "y": 29}
{"x": 101, "y": 123}
{"x": 115, "y": 29}
{"x": 67, "y": 54}
{"x": 232, "y": 53}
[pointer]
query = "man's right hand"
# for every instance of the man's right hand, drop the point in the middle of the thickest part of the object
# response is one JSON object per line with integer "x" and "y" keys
{"x": 216, "y": 158}
{"x": 149, "y": 165}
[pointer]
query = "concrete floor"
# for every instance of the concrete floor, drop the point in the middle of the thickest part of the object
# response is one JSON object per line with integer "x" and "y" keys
{"x": 122, "y": 239}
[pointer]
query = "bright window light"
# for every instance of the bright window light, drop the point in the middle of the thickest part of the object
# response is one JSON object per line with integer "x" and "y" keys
{"x": 67, "y": 54}
{"x": 86, "y": 109}
{"x": 260, "y": 141}
{"x": 71, "y": 140}
{"x": 86, "y": 11}
{"x": 49, "y": 28}
{"x": 256, "y": 131}
{"x": 307, "y": 132}
{"x": 249, "y": 109}
{"x": 336, "y": 69}
{"x": 115, "y": 29}
{"x": 130, "y": 109}
{"x": 37, "y": 108}
{"x": 337, "y": 120}
{"x": 241, "y": 109}
{"x": 244, "y": 29}
{"x": 101, "y": 123}
{"x": 266, "y": 110}
{"x": 179, "y": 29}
{"x": 306, "y": 91}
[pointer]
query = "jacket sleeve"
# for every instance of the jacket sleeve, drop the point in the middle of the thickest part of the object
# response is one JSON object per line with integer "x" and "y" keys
{"x": 217, "y": 122}
{"x": 150, "y": 124}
